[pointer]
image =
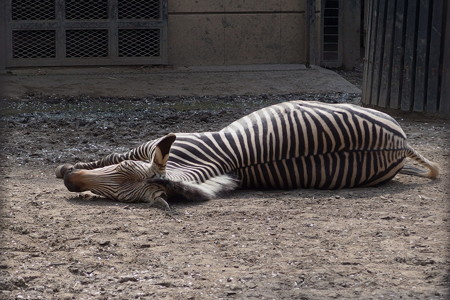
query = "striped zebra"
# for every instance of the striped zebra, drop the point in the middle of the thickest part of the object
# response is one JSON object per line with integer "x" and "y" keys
{"x": 297, "y": 144}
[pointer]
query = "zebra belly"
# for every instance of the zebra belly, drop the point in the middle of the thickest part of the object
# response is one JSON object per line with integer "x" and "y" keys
{"x": 325, "y": 171}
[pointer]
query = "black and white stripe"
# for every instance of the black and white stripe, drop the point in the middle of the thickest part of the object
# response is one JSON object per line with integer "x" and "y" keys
{"x": 295, "y": 144}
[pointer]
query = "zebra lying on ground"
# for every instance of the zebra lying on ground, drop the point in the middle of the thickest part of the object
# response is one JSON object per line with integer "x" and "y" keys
{"x": 297, "y": 144}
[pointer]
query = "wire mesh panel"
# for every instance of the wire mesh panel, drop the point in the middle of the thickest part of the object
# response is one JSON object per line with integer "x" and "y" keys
{"x": 33, "y": 10}
{"x": 137, "y": 9}
{"x": 34, "y": 44}
{"x": 139, "y": 42}
{"x": 331, "y": 56}
{"x": 87, "y": 43}
{"x": 85, "y": 32}
{"x": 86, "y": 9}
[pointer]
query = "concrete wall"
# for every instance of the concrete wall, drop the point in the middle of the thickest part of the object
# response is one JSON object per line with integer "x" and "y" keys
{"x": 229, "y": 32}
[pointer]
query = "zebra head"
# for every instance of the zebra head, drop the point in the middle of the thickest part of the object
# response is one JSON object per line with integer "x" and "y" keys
{"x": 129, "y": 180}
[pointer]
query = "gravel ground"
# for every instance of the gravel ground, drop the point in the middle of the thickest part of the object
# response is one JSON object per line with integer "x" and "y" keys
{"x": 367, "y": 243}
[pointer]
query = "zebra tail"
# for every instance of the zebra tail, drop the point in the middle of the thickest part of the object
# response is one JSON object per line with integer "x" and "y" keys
{"x": 433, "y": 169}
{"x": 210, "y": 189}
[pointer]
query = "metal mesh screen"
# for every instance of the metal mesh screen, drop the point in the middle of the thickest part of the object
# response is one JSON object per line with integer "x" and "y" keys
{"x": 84, "y": 32}
{"x": 86, "y": 9}
{"x": 331, "y": 31}
{"x": 139, "y": 42}
{"x": 33, "y": 9}
{"x": 33, "y": 44}
{"x": 87, "y": 43}
{"x": 137, "y": 9}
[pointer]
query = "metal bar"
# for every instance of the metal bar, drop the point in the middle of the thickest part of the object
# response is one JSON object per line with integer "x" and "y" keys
{"x": 410, "y": 56}
{"x": 379, "y": 44}
{"x": 386, "y": 66}
{"x": 444, "y": 104}
{"x": 309, "y": 3}
{"x": 113, "y": 43}
{"x": 368, "y": 62}
{"x": 420, "y": 85}
{"x": 436, "y": 23}
{"x": 397, "y": 60}
{"x": 3, "y": 36}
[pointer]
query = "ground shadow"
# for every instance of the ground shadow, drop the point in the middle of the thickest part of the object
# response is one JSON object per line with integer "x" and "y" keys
{"x": 393, "y": 187}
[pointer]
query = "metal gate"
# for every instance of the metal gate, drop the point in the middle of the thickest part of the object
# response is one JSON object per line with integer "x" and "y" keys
{"x": 85, "y": 32}
{"x": 407, "y": 63}
{"x": 331, "y": 40}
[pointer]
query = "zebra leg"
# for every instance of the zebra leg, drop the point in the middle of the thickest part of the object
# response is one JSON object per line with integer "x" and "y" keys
{"x": 141, "y": 153}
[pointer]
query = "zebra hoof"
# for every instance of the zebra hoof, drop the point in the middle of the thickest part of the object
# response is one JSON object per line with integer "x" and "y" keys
{"x": 161, "y": 203}
{"x": 62, "y": 170}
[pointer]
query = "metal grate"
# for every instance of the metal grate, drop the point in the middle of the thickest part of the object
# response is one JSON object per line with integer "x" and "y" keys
{"x": 139, "y": 42}
{"x": 87, "y": 43}
{"x": 84, "y": 32}
{"x": 330, "y": 31}
{"x": 32, "y": 10}
{"x": 33, "y": 44}
{"x": 137, "y": 9}
{"x": 86, "y": 9}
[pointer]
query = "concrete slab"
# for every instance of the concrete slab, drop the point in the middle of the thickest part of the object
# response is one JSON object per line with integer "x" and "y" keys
{"x": 180, "y": 81}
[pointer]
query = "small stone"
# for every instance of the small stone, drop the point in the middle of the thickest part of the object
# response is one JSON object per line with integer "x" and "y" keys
{"x": 104, "y": 243}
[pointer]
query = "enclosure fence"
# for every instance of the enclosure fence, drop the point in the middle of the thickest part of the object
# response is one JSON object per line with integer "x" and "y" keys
{"x": 407, "y": 56}
{"x": 68, "y": 32}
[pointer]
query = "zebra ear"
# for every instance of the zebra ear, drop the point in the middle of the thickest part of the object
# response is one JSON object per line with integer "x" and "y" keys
{"x": 162, "y": 150}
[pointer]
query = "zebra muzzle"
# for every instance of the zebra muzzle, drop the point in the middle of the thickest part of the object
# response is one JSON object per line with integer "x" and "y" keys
{"x": 73, "y": 182}
{"x": 61, "y": 170}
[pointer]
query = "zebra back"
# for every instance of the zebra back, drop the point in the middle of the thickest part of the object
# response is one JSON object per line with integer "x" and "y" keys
{"x": 301, "y": 144}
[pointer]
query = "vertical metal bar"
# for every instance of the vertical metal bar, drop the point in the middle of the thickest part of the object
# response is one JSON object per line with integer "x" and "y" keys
{"x": 313, "y": 34}
{"x": 386, "y": 70}
{"x": 113, "y": 35}
{"x": 444, "y": 103}
{"x": 398, "y": 49}
{"x": 379, "y": 45}
{"x": 163, "y": 32}
{"x": 410, "y": 56}
{"x": 368, "y": 62}
{"x": 309, "y": 3}
{"x": 420, "y": 85}
{"x": 436, "y": 23}
{"x": 60, "y": 34}
{"x": 4, "y": 40}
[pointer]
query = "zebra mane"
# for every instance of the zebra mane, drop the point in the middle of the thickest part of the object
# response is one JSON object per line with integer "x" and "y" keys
{"x": 203, "y": 191}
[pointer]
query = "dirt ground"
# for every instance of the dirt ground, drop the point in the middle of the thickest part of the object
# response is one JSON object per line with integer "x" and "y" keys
{"x": 389, "y": 242}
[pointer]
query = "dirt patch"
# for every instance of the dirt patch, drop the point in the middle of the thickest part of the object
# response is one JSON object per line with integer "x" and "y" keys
{"x": 387, "y": 242}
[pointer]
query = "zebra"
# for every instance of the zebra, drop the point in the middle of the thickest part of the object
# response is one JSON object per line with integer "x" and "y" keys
{"x": 296, "y": 144}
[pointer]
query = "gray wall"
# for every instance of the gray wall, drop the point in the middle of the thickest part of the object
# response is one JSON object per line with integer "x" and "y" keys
{"x": 228, "y": 32}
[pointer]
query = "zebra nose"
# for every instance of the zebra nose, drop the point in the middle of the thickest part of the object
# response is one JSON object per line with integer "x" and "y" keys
{"x": 72, "y": 181}
{"x": 62, "y": 170}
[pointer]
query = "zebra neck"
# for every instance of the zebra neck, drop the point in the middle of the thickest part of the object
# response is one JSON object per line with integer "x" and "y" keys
{"x": 200, "y": 156}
